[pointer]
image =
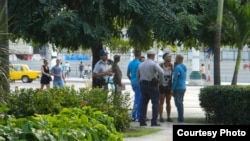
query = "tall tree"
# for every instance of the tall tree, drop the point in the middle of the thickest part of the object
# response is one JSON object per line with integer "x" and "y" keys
{"x": 239, "y": 14}
{"x": 217, "y": 45}
{"x": 87, "y": 23}
{"x": 230, "y": 31}
{"x": 4, "y": 48}
{"x": 84, "y": 23}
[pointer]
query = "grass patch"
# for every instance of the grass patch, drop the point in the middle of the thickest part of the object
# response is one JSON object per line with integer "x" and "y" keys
{"x": 140, "y": 131}
{"x": 136, "y": 131}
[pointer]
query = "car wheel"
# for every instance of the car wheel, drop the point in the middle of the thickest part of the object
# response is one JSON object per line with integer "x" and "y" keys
{"x": 25, "y": 79}
{"x": 30, "y": 80}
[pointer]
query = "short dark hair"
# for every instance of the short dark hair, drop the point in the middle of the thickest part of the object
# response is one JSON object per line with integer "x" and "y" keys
{"x": 45, "y": 61}
{"x": 137, "y": 53}
{"x": 164, "y": 55}
{"x": 110, "y": 61}
{"x": 142, "y": 57}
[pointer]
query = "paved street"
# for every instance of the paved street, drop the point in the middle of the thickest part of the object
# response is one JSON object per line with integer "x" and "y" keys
{"x": 227, "y": 69}
{"x": 36, "y": 84}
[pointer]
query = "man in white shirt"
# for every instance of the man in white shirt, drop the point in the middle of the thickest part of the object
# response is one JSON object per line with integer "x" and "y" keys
{"x": 148, "y": 73}
{"x": 66, "y": 69}
{"x": 101, "y": 72}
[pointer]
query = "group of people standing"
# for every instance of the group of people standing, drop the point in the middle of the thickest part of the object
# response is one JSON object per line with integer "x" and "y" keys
{"x": 150, "y": 81}
{"x": 59, "y": 72}
{"x": 158, "y": 83}
{"x": 107, "y": 70}
{"x": 84, "y": 70}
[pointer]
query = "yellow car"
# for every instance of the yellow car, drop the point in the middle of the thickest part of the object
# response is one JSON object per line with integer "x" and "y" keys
{"x": 23, "y": 72}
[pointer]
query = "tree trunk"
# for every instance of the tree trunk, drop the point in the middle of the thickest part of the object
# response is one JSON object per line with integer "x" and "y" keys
{"x": 95, "y": 58}
{"x": 4, "y": 48}
{"x": 237, "y": 66}
{"x": 216, "y": 48}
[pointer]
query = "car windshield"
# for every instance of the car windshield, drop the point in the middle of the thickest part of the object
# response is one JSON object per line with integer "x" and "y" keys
{"x": 27, "y": 67}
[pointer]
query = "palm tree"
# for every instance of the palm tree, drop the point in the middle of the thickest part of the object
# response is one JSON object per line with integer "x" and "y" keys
{"x": 4, "y": 49}
{"x": 240, "y": 29}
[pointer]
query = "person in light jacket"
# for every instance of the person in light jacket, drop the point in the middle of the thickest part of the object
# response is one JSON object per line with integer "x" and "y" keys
{"x": 179, "y": 85}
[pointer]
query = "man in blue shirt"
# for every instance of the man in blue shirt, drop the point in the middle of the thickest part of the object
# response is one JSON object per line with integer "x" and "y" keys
{"x": 135, "y": 83}
{"x": 57, "y": 72}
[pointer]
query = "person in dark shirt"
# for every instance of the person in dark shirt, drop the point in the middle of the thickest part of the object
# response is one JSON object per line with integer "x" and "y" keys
{"x": 117, "y": 74}
{"x": 46, "y": 77}
{"x": 81, "y": 67}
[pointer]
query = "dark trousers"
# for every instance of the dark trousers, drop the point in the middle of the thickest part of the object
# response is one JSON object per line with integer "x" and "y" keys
{"x": 149, "y": 92}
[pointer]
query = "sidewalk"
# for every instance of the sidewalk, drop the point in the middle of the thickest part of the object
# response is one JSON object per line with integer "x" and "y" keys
{"x": 192, "y": 109}
{"x": 126, "y": 81}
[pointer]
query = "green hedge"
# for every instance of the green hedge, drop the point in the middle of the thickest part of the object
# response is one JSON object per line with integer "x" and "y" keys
{"x": 226, "y": 104}
{"x": 28, "y": 102}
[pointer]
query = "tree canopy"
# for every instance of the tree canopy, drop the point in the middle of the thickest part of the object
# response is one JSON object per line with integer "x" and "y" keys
{"x": 87, "y": 23}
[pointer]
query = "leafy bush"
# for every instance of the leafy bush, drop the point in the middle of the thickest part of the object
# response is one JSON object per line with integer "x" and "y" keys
{"x": 27, "y": 102}
{"x": 114, "y": 105}
{"x": 226, "y": 104}
{"x": 71, "y": 124}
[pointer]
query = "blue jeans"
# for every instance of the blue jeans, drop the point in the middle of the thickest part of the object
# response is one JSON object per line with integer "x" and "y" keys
{"x": 136, "y": 112}
{"x": 178, "y": 99}
{"x": 58, "y": 83}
